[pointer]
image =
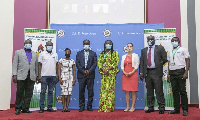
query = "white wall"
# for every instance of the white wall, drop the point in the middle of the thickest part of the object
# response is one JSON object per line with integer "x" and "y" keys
{"x": 96, "y": 11}
{"x": 6, "y": 48}
{"x": 184, "y": 36}
{"x": 197, "y": 14}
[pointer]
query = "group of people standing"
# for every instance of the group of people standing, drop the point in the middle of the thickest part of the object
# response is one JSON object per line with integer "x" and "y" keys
{"x": 28, "y": 68}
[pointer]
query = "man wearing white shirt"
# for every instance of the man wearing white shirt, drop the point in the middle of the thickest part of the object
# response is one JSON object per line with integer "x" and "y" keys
{"x": 178, "y": 65}
{"x": 47, "y": 75}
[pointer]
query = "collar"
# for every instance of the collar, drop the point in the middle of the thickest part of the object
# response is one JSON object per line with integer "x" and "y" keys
{"x": 86, "y": 51}
{"x": 176, "y": 47}
{"x": 152, "y": 46}
{"x": 48, "y": 52}
{"x": 26, "y": 50}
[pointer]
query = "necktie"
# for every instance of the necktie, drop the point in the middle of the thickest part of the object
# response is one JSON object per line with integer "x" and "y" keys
{"x": 149, "y": 57}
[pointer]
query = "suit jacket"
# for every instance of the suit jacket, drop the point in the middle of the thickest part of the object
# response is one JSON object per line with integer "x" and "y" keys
{"x": 160, "y": 58}
{"x": 21, "y": 65}
{"x": 91, "y": 64}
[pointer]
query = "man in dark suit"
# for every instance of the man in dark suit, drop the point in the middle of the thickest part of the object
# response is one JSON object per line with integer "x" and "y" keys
{"x": 25, "y": 72}
{"x": 86, "y": 62}
{"x": 152, "y": 60}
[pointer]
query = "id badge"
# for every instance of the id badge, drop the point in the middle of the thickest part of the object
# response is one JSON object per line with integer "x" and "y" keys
{"x": 172, "y": 64}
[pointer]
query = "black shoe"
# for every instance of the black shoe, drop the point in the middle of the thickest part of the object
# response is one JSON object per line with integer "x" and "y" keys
{"x": 81, "y": 110}
{"x": 26, "y": 111}
{"x": 174, "y": 112}
{"x": 161, "y": 111}
{"x": 41, "y": 111}
{"x": 51, "y": 110}
{"x": 67, "y": 110}
{"x": 149, "y": 111}
{"x": 89, "y": 109}
{"x": 185, "y": 113}
{"x": 17, "y": 112}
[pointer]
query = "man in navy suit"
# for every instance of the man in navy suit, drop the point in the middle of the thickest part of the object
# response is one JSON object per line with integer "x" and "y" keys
{"x": 86, "y": 62}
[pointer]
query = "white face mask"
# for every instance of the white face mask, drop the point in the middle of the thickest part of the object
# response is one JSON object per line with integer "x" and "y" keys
{"x": 175, "y": 44}
{"x": 86, "y": 47}
{"x": 108, "y": 46}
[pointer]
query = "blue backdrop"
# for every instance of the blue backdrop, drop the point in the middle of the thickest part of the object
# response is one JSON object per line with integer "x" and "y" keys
{"x": 72, "y": 36}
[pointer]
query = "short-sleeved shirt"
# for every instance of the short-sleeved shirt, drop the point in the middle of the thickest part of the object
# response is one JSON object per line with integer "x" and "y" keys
{"x": 48, "y": 61}
{"x": 179, "y": 58}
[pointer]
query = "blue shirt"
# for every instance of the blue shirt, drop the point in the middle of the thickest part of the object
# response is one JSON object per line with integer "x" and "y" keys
{"x": 152, "y": 57}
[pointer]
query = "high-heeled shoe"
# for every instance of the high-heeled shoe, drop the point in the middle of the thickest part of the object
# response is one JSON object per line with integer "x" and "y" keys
{"x": 126, "y": 110}
{"x": 132, "y": 110}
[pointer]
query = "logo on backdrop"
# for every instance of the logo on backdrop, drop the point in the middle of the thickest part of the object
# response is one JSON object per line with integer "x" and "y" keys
{"x": 61, "y": 33}
{"x": 107, "y": 33}
{"x": 125, "y": 49}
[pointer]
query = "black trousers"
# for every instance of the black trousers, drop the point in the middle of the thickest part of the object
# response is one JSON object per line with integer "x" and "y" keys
{"x": 24, "y": 86}
{"x": 82, "y": 84}
{"x": 153, "y": 81}
{"x": 179, "y": 89}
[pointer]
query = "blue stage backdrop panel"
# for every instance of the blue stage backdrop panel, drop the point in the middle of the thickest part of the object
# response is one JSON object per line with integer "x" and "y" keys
{"x": 72, "y": 36}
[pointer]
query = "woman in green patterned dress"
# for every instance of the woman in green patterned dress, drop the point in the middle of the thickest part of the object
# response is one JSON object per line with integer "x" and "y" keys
{"x": 107, "y": 63}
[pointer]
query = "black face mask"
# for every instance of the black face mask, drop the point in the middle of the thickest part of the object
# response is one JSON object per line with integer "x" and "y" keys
{"x": 67, "y": 55}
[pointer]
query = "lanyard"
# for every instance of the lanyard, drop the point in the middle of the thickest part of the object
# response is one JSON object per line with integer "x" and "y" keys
{"x": 106, "y": 54}
{"x": 175, "y": 53}
{"x": 86, "y": 54}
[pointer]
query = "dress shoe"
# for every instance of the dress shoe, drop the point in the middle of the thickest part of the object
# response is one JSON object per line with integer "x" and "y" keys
{"x": 149, "y": 111}
{"x": 51, "y": 110}
{"x": 89, "y": 109}
{"x": 161, "y": 111}
{"x": 17, "y": 112}
{"x": 174, "y": 112}
{"x": 26, "y": 111}
{"x": 81, "y": 110}
{"x": 41, "y": 111}
{"x": 185, "y": 113}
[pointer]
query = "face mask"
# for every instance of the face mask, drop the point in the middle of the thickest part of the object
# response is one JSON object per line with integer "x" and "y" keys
{"x": 108, "y": 46}
{"x": 86, "y": 47}
{"x": 28, "y": 46}
{"x": 67, "y": 55}
{"x": 49, "y": 48}
{"x": 175, "y": 44}
{"x": 151, "y": 42}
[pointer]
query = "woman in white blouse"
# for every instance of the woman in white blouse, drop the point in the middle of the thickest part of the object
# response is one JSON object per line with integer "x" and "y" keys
{"x": 129, "y": 66}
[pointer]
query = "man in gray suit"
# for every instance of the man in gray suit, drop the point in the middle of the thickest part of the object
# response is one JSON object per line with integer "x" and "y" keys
{"x": 25, "y": 72}
{"x": 152, "y": 60}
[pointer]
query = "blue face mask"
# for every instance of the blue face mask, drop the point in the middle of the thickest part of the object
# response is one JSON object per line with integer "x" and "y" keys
{"x": 28, "y": 46}
{"x": 86, "y": 47}
{"x": 49, "y": 48}
{"x": 175, "y": 44}
{"x": 151, "y": 42}
{"x": 108, "y": 46}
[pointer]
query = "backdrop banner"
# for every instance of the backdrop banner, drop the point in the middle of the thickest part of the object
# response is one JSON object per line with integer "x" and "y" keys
{"x": 39, "y": 37}
{"x": 72, "y": 35}
{"x": 163, "y": 37}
